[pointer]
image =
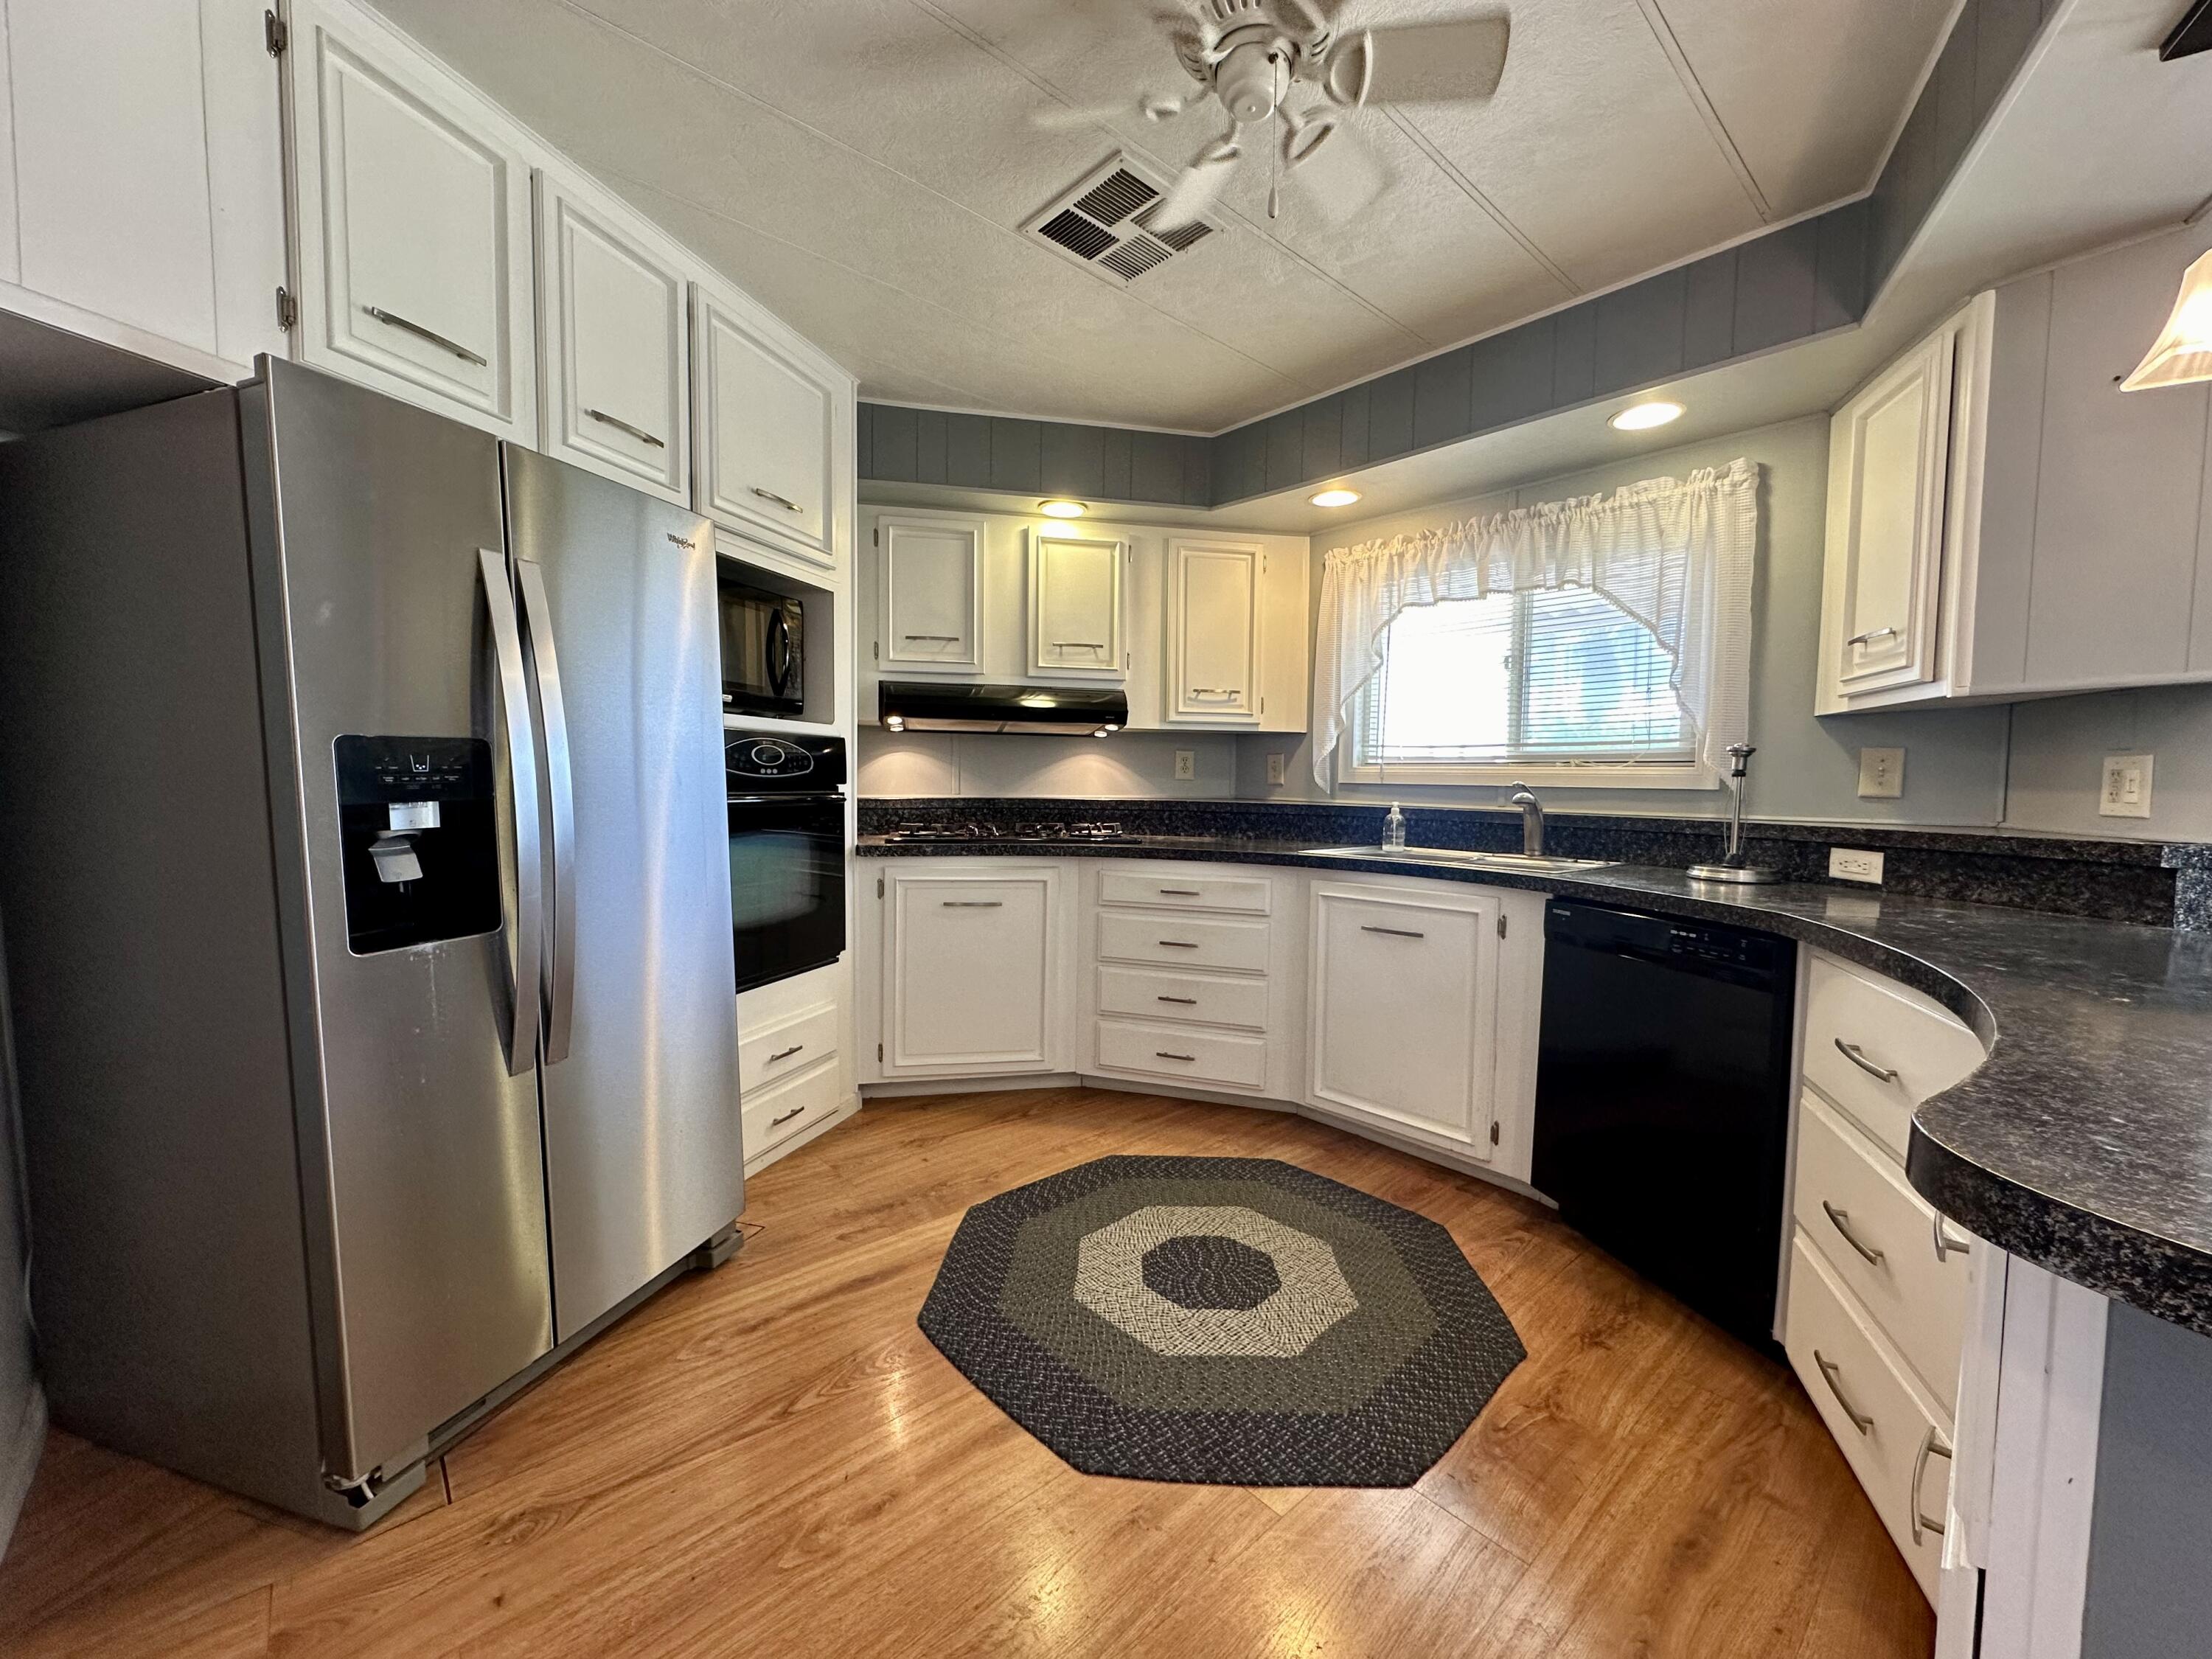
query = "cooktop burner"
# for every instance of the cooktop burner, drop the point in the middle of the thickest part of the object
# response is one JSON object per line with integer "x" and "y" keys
{"x": 1081, "y": 830}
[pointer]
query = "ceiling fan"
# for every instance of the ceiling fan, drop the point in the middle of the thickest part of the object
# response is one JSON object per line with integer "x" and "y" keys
{"x": 1281, "y": 66}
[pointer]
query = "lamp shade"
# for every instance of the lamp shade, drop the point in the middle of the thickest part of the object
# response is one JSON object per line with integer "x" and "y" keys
{"x": 2183, "y": 352}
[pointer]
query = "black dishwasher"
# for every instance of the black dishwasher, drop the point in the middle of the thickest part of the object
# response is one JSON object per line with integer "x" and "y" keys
{"x": 1663, "y": 1101}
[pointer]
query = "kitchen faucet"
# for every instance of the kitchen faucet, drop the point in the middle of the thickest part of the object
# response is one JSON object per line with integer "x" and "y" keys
{"x": 1532, "y": 819}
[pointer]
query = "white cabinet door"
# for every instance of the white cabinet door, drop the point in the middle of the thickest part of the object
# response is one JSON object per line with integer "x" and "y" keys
{"x": 1075, "y": 604}
{"x": 147, "y": 174}
{"x": 932, "y": 590}
{"x": 1214, "y": 632}
{"x": 972, "y": 972}
{"x": 764, "y": 434}
{"x": 415, "y": 245}
{"x": 614, "y": 348}
{"x": 1403, "y": 1023}
{"x": 1888, "y": 457}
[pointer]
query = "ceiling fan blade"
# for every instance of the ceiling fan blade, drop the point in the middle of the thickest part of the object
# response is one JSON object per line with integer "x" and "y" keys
{"x": 1197, "y": 189}
{"x": 1439, "y": 63}
{"x": 1338, "y": 175}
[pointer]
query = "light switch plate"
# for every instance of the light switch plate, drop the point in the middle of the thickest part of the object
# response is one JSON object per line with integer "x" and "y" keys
{"x": 1275, "y": 767}
{"x": 1882, "y": 774}
{"x": 1854, "y": 864}
{"x": 2126, "y": 790}
{"x": 1186, "y": 764}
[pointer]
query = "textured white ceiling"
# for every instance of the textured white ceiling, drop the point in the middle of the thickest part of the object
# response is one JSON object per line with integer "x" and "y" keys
{"x": 863, "y": 166}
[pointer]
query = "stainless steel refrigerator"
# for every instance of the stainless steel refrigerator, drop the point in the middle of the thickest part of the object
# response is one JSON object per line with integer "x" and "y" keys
{"x": 364, "y": 865}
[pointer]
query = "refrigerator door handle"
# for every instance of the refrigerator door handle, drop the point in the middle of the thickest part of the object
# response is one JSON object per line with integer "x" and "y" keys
{"x": 528, "y": 932}
{"x": 544, "y": 663}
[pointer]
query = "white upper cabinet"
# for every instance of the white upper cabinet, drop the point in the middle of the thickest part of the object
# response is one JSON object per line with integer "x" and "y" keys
{"x": 931, "y": 594}
{"x": 1214, "y": 632}
{"x": 1075, "y": 604}
{"x": 416, "y": 266}
{"x": 144, "y": 202}
{"x": 615, "y": 351}
{"x": 766, "y": 432}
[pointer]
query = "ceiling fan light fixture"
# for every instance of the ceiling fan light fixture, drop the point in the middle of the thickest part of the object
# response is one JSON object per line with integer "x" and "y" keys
{"x": 2183, "y": 352}
{"x": 1338, "y": 496}
{"x": 1060, "y": 509}
{"x": 1642, "y": 417}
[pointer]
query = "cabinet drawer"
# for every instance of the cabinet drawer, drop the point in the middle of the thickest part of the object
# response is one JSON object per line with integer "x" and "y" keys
{"x": 777, "y": 1113}
{"x": 1877, "y": 1049}
{"x": 1207, "y": 1057}
{"x": 1880, "y": 1237}
{"x": 1253, "y": 895}
{"x": 787, "y": 1046}
{"x": 1184, "y": 942}
{"x": 1897, "y": 1443}
{"x": 1143, "y": 993}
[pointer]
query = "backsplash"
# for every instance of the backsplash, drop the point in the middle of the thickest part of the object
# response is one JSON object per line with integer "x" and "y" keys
{"x": 2116, "y": 880}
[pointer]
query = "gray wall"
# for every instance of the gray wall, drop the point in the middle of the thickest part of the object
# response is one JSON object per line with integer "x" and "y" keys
{"x": 2058, "y": 748}
{"x": 2150, "y": 1539}
{"x": 1807, "y": 770}
{"x": 22, "y": 1419}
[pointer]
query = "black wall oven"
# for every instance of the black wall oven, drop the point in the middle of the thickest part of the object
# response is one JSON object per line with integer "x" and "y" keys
{"x": 787, "y": 804}
{"x": 763, "y": 651}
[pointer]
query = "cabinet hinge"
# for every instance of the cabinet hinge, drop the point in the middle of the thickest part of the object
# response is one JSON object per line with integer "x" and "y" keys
{"x": 274, "y": 34}
{"x": 1493, "y": 1134}
{"x": 1501, "y": 927}
{"x": 879, "y": 887}
{"x": 876, "y": 649}
{"x": 879, "y": 1053}
{"x": 288, "y": 310}
{"x": 876, "y": 535}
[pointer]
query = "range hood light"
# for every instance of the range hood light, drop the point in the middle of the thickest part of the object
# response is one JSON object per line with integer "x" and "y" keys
{"x": 1040, "y": 701}
{"x": 1062, "y": 509}
{"x": 2183, "y": 352}
{"x": 894, "y": 722}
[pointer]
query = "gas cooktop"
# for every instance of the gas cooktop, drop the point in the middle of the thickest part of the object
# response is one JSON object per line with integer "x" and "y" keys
{"x": 1080, "y": 829}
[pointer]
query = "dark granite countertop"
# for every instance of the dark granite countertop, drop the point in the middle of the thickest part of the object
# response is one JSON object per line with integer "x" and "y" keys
{"x": 2083, "y": 1143}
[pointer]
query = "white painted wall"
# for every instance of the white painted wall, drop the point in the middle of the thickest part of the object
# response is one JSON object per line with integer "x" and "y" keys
{"x": 1806, "y": 770}
{"x": 2058, "y": 748}
{"x": 1129, "y": 763}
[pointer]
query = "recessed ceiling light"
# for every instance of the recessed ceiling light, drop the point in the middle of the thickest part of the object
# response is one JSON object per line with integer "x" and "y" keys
{"x": 1062, "y": 509}
{"x": 1336, "y": 498}
{"x": 1642, "y": 417}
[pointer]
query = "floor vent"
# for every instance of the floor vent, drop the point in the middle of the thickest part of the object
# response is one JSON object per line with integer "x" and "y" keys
{"x": 1102, "y": 224}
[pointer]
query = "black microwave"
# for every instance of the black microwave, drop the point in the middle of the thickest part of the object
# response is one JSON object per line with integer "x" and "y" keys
{"x": 764, "y": 660}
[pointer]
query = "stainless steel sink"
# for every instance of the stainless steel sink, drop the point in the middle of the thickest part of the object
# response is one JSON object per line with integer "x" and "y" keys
{"x": 1540, "y": 864}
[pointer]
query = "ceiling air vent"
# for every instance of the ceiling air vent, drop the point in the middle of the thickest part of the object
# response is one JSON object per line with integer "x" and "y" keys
{"x": 1102, "y": 224}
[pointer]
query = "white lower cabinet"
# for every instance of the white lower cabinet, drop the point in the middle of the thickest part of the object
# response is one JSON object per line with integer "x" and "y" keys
{"x": 1404, "y": 1007}
{"x": 973, "y": 964}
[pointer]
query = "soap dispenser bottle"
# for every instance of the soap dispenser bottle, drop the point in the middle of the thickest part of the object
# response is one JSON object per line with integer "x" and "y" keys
{"x": 1394, "y": 831}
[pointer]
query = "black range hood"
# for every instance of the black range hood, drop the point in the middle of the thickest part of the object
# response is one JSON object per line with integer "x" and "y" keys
{"x": 1078, "y": 711}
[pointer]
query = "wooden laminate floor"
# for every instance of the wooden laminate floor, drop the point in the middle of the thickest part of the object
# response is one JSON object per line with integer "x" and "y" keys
{"x": 773, "y": 1460}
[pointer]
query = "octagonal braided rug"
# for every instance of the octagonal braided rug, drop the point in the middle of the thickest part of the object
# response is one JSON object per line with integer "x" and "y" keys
{"x": 1231, "y": 1320}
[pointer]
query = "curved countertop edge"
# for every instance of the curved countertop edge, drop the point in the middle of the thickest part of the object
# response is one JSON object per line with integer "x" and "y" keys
{"x": 2123, "y": 1250}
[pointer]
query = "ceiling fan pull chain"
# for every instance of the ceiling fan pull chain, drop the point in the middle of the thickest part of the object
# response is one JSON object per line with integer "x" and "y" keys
{"x": 1274, "y": 153}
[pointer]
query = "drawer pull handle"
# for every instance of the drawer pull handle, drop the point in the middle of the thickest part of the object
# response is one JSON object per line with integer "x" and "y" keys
{"x": 393, "y": 320}
{"x": 949, "y": 639}
{"x": 1079, "y": 645}
{"x": 1931, "y": 1445}
{"x": 1164, "y": 1055}
{"x": 621, "y": 425}
{"x": 1217, "y": 690}
{"x": 1841, "y": 1221}
{"x": 1180, "y": 944}
{"x": 1870, "y": 635}
{"x": 786, "y": 1117}
{"x": 1394, "y": 932}
{"x": 785, "y": 1054}
{"x": 1181, "y": 892}
{"x": 1187, "y": 1002}
{"x": 1857, "y": 1055}
{"x": 784, "y": 501}
{"x": 973, "y": 904}
{"x": 1945, "y": 1246}
{"x": 1831, "y": 1373}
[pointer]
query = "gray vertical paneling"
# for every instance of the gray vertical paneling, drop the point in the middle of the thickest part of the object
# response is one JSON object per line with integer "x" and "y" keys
{"x": 929, "y": 446}
{"x": 967, "y": 451}
{"x": 1775, "y": 287}
{"x": 1952, "y": 85}
{"x": 1353, "y": 449}
{"x": 1115, "y": 452}
{"x": 1574, "y": 354}
{"x": 1390, "y": 414}
{"x": 1443, "y": 397}
{"x": 1286, "y": 448}
{"x": 1324, "y": 435}
{"x": 1640, "y": 331}
{"x": 1155, "y": 466}
{"x": 1198, "y": 472}
{"x": 864, "y": 440}
{"x": 1841, "y": 271}
{"x": 1905, "y": 190}
{"x": 893, "y": 447}
{"x": 1074, "y": 460}
{"x": 1509, "y": 375}
{"x": 1709, "y": 310}
{"x": 1017, "y": 454}
{"x": 2003, "y": 30}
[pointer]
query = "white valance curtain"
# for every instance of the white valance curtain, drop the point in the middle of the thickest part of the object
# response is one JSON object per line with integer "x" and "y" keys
{"x": 1676, "y": 554}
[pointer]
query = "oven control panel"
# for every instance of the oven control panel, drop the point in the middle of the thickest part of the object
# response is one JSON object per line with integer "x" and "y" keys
{"x": 759, "y": 763}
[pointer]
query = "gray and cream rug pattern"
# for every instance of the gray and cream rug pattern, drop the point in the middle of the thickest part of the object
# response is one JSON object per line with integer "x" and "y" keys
{"x": 1231, "y": 1320}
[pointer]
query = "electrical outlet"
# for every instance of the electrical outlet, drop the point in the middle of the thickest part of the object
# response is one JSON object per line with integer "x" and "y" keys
{"x": 2126, "y": 792}
{"x": 1275, "y": 767}
{"x": 1882, "y": 774}
{"x": 1854, "y": 864}
{"x": 1186, "y": 765}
